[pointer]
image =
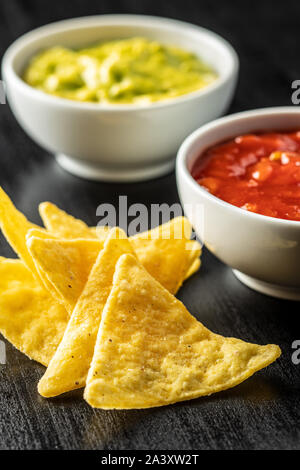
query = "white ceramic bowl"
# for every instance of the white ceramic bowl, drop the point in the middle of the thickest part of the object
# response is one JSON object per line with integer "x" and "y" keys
{"x": 263, "y": 251}
{"x": 117, "y": 142}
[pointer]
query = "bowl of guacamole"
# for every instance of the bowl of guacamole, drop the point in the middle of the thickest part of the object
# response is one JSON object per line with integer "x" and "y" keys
{"x": 134, "y": 70}
{"x": 114, "y": 96}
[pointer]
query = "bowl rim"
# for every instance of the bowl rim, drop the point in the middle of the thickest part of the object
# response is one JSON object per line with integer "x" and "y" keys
{"x": 121, "y": 19}
{"x": 184, "y": 154}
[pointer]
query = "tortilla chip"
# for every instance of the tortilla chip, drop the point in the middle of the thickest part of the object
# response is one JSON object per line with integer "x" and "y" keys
{"x": 196, "y": 262}
{"x": 168, "y": 253}
{"x": 40, "y": 233}
{"x": 167, "y": 259}
{"x": 177, "y": 228}
{"x": 70, "y": 364}
{"x": 29, "y": 317}
{"x": 14, "y": 226}
{"x": 63, "y": 225}
{"x": 171, "y": 274}
{"x": 193, "y": 268}
{"x": 150, "y": 351}
{"x": 101, "y": 232}
{"x": 64, "y": 265}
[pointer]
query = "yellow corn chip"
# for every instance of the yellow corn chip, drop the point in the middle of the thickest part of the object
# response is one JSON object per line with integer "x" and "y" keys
{"x": 177, "y": 228}
{"x": 29, "y": 317}
{"x": 193, "y": 268}
{"x": 62, "y": 224}
{"x": 14, "y": 226}
{"x": 196, "y": 262}
{"x": 150, "y": 351}
{"x": 64, "y": 265}
{"x": 70, "y": 364}
{"x": 40, "y": 233}
{"x": 167, "y": 260}
{"x": 101, "y": 232}
{"x": 167, "y": 253}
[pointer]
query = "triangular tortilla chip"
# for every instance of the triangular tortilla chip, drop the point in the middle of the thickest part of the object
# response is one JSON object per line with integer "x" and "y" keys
{"x": 177, "y": 228}
{"x": 40, "y": 233}
{"x": 101, "y": 232}
{"x": 167, "y": 261}
{"x": 62, "y": 224}
{"x": 195, "y": 259}
{"x": 171, "y": 276}
{"x": 29, "y": 317}
{"x": 150, "y": 351}
{"x": 166, "y": 253}
{"x": 70, "y": 364}
{"x": 14, "y": 226}
{"x": 64, "y": 265}
{"x": 193, "y": 268}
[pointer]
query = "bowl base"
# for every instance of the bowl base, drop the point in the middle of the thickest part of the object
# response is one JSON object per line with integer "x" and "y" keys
{"x": 99, "y": 173}
{"x": 273, "y": 290}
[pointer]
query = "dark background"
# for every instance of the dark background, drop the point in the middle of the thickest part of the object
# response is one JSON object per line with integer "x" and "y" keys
{"x": 262, "y": 413}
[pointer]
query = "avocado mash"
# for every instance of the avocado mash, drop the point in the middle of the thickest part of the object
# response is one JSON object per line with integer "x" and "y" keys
{"x": 135, "y": 70}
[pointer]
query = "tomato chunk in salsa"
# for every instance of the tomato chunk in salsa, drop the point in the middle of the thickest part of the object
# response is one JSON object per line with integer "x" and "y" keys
{"x": 256, "y": 172}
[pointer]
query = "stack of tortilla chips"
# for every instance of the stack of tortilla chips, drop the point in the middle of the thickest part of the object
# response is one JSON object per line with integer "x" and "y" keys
{"x": 98, "y": 309}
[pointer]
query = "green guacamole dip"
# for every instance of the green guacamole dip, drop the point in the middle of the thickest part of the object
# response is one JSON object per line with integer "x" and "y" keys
{"x": 135, "y": 70}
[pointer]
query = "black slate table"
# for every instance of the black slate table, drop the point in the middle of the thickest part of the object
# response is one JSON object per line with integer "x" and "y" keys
{"x": 263, "y": 412}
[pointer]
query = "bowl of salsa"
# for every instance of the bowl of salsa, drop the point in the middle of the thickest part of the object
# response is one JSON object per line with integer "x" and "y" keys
{"x": 239, "y": 181}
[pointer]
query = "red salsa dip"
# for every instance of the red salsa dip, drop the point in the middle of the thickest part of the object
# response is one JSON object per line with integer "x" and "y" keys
{"x": 256, "y": 172}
